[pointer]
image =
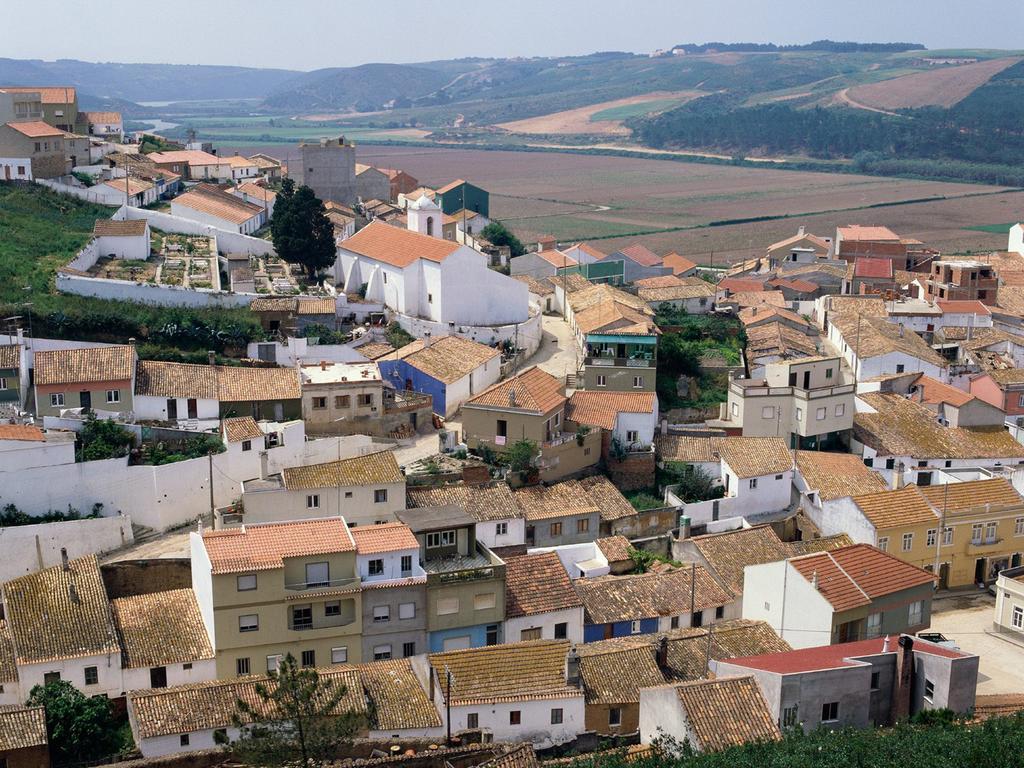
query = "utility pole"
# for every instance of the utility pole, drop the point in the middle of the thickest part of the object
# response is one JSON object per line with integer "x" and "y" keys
{"x": 448, "y": 703}
{"x": 209, "y": 456}
{"x": 942, "y": 530}
{"x": 693, "y": 589}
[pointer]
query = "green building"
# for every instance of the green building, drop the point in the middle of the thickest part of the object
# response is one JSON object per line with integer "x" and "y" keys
{"x": 611, "y": 272}
{"x": 460, "y": 194}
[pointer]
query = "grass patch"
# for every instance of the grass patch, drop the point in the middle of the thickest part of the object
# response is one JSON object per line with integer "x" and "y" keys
{"x": 639, "y": 109}
{"x": 992, "y": 229}
{"x": 644, "y": 500}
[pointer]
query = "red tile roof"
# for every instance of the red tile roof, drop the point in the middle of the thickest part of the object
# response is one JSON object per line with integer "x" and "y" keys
{"x": 855, "y": 576}
{"x": 934, "y": 391}
{"x": 795, "y": 284}
{"x": 23, "y": 432}
{"x": 383, "y": 537}
{"x": 866, "y": 266}
{"x": 398, "y": 247}
{"x": 601, "y": 409}
{"x": 533, "y": 390}
{"x": 740, "y": 285}
{"x": 556, "y": 258}
{"x": 679, "y": 264}
{"x": 264, "y": 547}
{"x": 968, "y": 307}
{"x": 859, "y": 232}
{"x": 537, "y": 584}
{"x": 641, "y": 255}
{"x": 36, "y": 129}
{"x": 835, "y": 656}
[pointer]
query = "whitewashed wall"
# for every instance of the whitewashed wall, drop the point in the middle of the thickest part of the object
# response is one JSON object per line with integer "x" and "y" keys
{"x": 30, "y": 548}
{"x": 529, "y": 332}
{"x": 227, "y": 242}
{"x": 150, "y": 293}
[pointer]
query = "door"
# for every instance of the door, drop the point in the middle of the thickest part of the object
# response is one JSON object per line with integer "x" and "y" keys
{"x": 158, "y": 677}
{"x": 979, "y": 570}
{"x": 278, "y": 412}
{"x": 807, "y": 379}
{"x": 412, "y": 421}
{"x": 172, "y": 408}
{"x": 85, "y": 400}
{"x": 944, "y": 576}
{"x": 193, "y": 408}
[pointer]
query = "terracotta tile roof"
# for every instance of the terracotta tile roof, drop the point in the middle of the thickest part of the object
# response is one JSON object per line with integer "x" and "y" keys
{"x": 451, "y": 185}
{"x": 78, "y": 366}
{"x": 820, "y": 544}
{"x": 608, "y": 599}
{"x": 185, "y": 156}
{"x": 900, "y": 427}
{"x": 8, "y": 666}
{"x": 755, "y": 456}
{"x": 573, "y": 283}
{"x": 614, "y": 548}
{"x": 557, "y": 259}
{"x": 730, "y": 552}
{"x": 22, "y": 432}
{"x": 375, "y": 350}
{"x": 593, "y": 295}
{"x": 905, "y": 507}
{"x": 753, "y": 315}
{"x": 537, "y": 584}
{"x": 22, "y": 728}
{"x": 601, "y": 409}
{"x": 534, "y": 390}
{"x": 10, "y": 356}
{"x": 608, "y": 498}
{"x": 213, "y": 704}
{"x": 372, "y": 469}
{"x": 103, "y": 117}
{"x": 398, "y": 247}
{"x": 614, "y": 317}
{"x": 317, "y": 306}
{"x": 215, "y": 202}
{"x": 763, "y": 299}
{"x": 878, "y": 336}
{"x": 55, "y": 614}
{"x": 934, "y": 391}
{"x": 160, "y": 628}
{"x": 508, "y": 672}
{"x": 264, "y": 547}
{"x": 564, "y": 499}
{"x": 836, "y": 475}
{"x": 685, "y": 288}
{"x": 872, "y": 268}
{"x": 242, "y": 428}
{"x": 679, "y": 264}
{"x": 383, "y": 537}
{"x": 483, "y": 502}
{"x": 1006, "y": 376}
{"x": 237, "y": 384}
{"x": 727, "y": 712}
{"x": 776, "y": 338}
{"x": 154, "y": 378}
{"x": 816, "y": 241}
{"x": 252, "y": 189}
{"x": 741, "y": 285}
{"x": 688, "y": 449}
{"x": 447, "y": 359}
{"x": 135, "y": 186}
{"x": 55, "y": 94}
{"x": 522, "y": 756}
{"x": 661, "y": 281}
{"x": 860, "y": 232}
{"x": 36, "y": 129}
{"x": 237, "y": 161}
{"x": 640, "y": 254}
{"x": 617, "y": 675}
{"x": 794, "y": 284}
{"x": 957, "y": 498}
{"x": 397, "y": 700}
{"x": 115, "y": 228}
{"x": 855, "y": 576}
{"x": 273, "y": 304}
{"x": 535, "y": 286}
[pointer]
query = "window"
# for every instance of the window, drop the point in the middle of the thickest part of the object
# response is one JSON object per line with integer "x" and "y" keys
{"x": 583, "y": 525}
{"x": 381, "y": 613}
{"x": 514, "y": 717}
{"x": 929, "y": 689}
{"x": 634, "y": 627}
{"x": 491, "y": 634}
{"x": 1017, "y": 620}
{"x": 57, "y": 399}
{"x": 735, "y": 409}
{"x": 472, "y": 720}
{"x": 799, "y": 414}
{"x": 561, "y": 630}
{"x": 697, "y": 620}
{"x": 3, "y": 383}
{"x": 556, "y": 715}
{"x": 828, "y": 373}
{"x": 319, "y": 403}
{"x": 187, "y": 665}
{"x": 841, "y": 409}
{"x": 632, "y": 436}
{"x": 915, "y": 613}
{"x": 753, "y": 482}
{"x": 931, "y": 537}
{"x": 247, "y": 445}
{"x": 408, "y": 649}
{"x": 501, "y": 529}
{"x": 366, "y": 399}
{"x": 883, "y": 543}
{"x": 874, "y": 624}
{"x": 875, "y": 680}
{"x": 908, "y": 542}
{"x": 602, "y": 381}
{"x": 447, "y": 605}
{"x": 51, "y": 677}
{"x": 614, "y": 716}
{"x": 332, "y": 609}
{"x": 339, "y": 655}
{"x": 440, "y": 539}
{"x": 113, "y": 396}
{"x": 1018, "y": 526}
{"x": 406, "y": 564}
{"x": 183, "y": 740}
{"x": 246, "y": 582}
{"x": 407, "y": 610}
{"x": 249, "y": 622}
{"x": 309, "y": 658}
{"x": 313, "y": 501}
{"x": 768, "y": 412}
{"x": 789, "y": 716}
{"x": 869, "y": 462}
{"x": 830, "y": 712}
{"x": 376, "y": 567}
{"x": 720, "y": 612}
{"x": 779, "y": 477}
{"x": 302, "y": 616}
{"x": 242, "y": 666}
{"x": 976, "y": 533}
{"x": 555, "y": 529}
{"x": 484, "y": 601}
{"x": 274, "y": 662}
{"x": 381, "y": 652}
{"x": 900, "y": 368}
{"x": 92, "y": 675}
{"x": 820, "y": 414}
{"x": 430, "y": 298}
{"x": 380, "y": 496}
{"x": 348, "y": 495}
{"x": 890, "y": 463}
{"x": 342, "y": 401}
{"x": 674, "y": 623}
{"x": 638, "y": 382}
{"x": 317, "y": 574}
{"x": 990, "y": 533}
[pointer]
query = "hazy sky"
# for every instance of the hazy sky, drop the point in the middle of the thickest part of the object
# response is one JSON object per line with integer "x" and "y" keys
{"x": 309, "y": 34}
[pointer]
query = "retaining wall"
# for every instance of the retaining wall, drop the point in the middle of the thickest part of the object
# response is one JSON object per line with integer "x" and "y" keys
{"x": 30, "y": 548}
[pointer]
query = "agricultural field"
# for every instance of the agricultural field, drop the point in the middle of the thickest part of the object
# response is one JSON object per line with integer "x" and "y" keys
{"x": 605, "y": 118}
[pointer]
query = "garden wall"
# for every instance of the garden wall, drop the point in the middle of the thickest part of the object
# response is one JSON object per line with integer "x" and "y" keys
{"x": 227, "y": 242}
{"x": 149, "y": 293}
{"x": 30, "y": 548}
{"x": 528, "y": 332}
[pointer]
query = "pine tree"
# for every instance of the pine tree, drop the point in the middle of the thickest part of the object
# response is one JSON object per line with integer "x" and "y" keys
{"x": 301, "y": 232}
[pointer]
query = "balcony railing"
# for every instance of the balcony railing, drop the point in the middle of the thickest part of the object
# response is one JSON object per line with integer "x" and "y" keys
{"x": 321, "y": 622}
{"x": 620, "y": 362}
{"x": 304, "y": 586}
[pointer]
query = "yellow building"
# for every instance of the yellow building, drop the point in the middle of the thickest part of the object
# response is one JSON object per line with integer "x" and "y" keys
{"x": 965, "y": 531}
{"x": 268, "y": 590}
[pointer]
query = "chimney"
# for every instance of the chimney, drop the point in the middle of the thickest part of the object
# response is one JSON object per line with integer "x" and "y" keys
{"x": 211, "y": 357}
{"x": 684, "y": 527}
{"x": 64, "y": 559}
{"x": 426, "y": 339}
{"x": 572, "y": 668}
{"x": 753, "y": 311}
{"x": 901, "y": 330}
{"x": 814, "y": 580}
{"x": 885, "y": 645}
{"x": 264, "y": 465}
{"x": 512, "y": 397}
{"x": 897, "y": 476}
{"x": 800, "y": 232}
{"x": 904, "y": 683}
{"x": 662, "y": 655}
{"x": 323, "y": 365}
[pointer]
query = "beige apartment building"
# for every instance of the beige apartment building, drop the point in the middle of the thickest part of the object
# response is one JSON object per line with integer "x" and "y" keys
{"x": 268, "y": 590}
{"x": 341, "y": 398}
{"x": 809, "y": 402}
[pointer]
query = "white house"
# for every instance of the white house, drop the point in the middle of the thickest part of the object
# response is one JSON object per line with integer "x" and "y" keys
{"x": 16, "y": 168}
{"x": 512, "y": 692}
{"x": 499, "y": 520}
{"x": 106, "y": 125}
{"x": 631, "y": 417}
{"x": 257, "y": 194}
{"x": 242, "y": 168}
{"x": 23, "y": 446}
{"x": 176, "y": 392}
{"x": 125, "y": 190}
{"x": 422, "y": 276}
{"x": 540, "y": 602}
{"x": 1015, "y": 242}
{"x": 212, "y": 206}
{"x": 827, "y": 483}
{"x": 128, "y": 239}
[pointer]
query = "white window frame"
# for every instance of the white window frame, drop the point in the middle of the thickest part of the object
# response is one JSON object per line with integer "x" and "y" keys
{"x": 1018, "y": 526}
{"x": 3, "y": 383}
{"x": 381, "y": 614}
{"x": 634, "y": 627}
{"x": 835, "y": 717}
{"x": 632, "y": 436}
{"x": 500, "y": 529}
{"x": 821, "y": 414}
{"x": 249, "y": 622}
{"x": 883, "y": 543}
{"x": 874, "y": 624}
{"x": 907, "y": 542}
{"x": 840, "y": 409}
{"x": 312, "y": 501}
{"x": 56, "y": 399}
{"x": 113, "y": 396}
{"x": 915, "y": 610}
{"x": 1017, "y": 617}
{"x": 638, "y": 382}
{"x": 768, "y": 412}
{"x": 602, "y": 380}
{"x": 339, "y": 655}
{"x": 947, "y": 536}
{"x": 931, "y": 537}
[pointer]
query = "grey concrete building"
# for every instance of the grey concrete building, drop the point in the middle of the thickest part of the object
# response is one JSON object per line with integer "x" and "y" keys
{"x": 394, "y": 621}
{"x": 328, "y": 167}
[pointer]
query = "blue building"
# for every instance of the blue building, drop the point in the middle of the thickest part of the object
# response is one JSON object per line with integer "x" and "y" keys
{"x": 642, "y": 604}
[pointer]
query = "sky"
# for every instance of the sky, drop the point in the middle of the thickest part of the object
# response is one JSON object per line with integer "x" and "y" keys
{"x": 310, "y": 34}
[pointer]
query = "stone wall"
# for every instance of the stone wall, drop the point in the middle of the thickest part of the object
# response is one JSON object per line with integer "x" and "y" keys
{"x": 128, "y": 578}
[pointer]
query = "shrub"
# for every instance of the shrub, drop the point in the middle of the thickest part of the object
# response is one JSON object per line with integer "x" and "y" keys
{"x": 102, "y": 439}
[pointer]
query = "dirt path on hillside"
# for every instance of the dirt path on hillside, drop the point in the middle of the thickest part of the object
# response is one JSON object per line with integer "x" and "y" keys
{"x": 573, "y": 121}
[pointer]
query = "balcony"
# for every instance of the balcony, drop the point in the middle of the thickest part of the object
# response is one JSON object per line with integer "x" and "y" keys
{"x": 602, "y": 361}
{"x": 319, "y": 586}
{"x": 986, "y": 545}
{"x": 320, "y": 621}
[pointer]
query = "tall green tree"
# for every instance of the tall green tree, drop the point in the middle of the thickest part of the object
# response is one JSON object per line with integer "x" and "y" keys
{"x": 79, "y": 728}
{"x": 301, "y": 232}
{"x": 498, "y": 234}
{"x": 297, "y": 718}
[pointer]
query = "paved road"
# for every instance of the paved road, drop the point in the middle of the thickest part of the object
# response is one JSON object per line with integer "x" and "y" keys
{"x": 558, "y": 353}
{"x": 965, "y": 620}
